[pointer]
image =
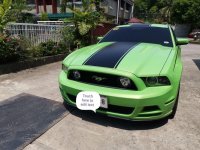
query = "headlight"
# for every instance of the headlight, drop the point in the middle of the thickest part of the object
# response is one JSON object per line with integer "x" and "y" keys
{"x": 151, "y": 81}
{"x": 163, "y": 81}
{"x": 125, "y": 82}
{"x": 156, "y": 81}
{"x": 64, "y": 68}
{"x": 76, "y": 75}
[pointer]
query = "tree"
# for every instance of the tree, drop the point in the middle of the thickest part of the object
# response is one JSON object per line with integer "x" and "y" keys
{"x": 19, "y": 5}
{"x": 171, "y": 11}
{"x": 85, "y": 20}
{"x": 68, "y": 36}
{"x": 166, "y": 9}
{"x": 155, "y": 10}
{"x": 44, "y": 16}
{"x": 97, "y": 5}
{"x": 10, "y": 10}
{"x": 186, "y": 11}
{"x": 141, "y": 8}
{"x": 5, "y": 13}
{"x": 63, "y": 6}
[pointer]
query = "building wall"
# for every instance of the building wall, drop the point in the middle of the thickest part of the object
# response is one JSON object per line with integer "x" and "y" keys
{"x": 110, "y": 7}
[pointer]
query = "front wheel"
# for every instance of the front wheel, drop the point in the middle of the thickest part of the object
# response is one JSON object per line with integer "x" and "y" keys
{"x": 172, "y": 115}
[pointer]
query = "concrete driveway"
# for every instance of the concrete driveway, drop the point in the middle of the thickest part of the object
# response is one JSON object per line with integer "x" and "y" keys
{"x": 86, "y": 130}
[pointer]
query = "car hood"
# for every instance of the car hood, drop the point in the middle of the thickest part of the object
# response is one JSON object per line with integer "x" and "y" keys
{"x": 141, "y": 59}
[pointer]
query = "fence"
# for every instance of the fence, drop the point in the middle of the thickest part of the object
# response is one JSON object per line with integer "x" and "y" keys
{"x": 51, "y": 22}
{"x": 36, "y": 33}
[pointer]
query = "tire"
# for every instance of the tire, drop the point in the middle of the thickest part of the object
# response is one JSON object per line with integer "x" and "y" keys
{"x": 172, "y": 115}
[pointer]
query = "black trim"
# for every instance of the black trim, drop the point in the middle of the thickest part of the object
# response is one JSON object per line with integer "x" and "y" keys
{"x": 111, "y": 55}
{"x": 107, "y": 80}
{"x": 111, "y": 108}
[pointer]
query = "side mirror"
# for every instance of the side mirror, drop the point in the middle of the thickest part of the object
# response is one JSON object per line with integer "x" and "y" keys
{"x": 99, "y": 38}
{"x": 182, "y": 41}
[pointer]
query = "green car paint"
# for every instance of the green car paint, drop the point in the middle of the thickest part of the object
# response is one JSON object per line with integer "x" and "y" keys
{"x": 139, "y": 62}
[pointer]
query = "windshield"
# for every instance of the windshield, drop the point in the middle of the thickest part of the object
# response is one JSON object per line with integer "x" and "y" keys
{"x": 140, "y": 34}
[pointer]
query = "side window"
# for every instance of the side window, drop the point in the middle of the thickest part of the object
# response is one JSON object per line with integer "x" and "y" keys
{"x": 174, "y": 35}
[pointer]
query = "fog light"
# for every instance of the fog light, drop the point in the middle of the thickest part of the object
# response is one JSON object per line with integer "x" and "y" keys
{"x": 125, "y": 82}
{"x": 76, "y": 75}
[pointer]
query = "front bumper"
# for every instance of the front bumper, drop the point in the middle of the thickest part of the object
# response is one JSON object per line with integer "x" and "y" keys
{"x": 151, "y": 103}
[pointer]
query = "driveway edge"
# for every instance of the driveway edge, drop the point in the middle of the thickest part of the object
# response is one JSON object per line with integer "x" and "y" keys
{"x": 22, "y": 65}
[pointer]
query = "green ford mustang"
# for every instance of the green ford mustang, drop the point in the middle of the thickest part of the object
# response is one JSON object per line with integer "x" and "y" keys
{"x": 136, "y": 69}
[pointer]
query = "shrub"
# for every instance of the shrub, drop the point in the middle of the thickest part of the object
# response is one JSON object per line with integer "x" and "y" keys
{"x": 14, "y": 49}
{"x": 44, "y": 17}
{"x": 85, "y": 20}
{"x": 11, "y": 50}
{"x": 51, "y": 48}
{"x": 68, "y": 36}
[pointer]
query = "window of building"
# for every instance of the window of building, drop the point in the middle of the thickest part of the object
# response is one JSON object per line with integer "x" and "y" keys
{"x": 122, "y": 4}
{"x": 128, "y": 7}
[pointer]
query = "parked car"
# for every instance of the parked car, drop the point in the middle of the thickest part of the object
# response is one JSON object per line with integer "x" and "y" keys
{"x": 136, "y": 69}
{"x": 195, "y": 34}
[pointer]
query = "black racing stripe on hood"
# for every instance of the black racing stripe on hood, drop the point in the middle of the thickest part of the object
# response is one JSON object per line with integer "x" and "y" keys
{"x": 110, "y": 55}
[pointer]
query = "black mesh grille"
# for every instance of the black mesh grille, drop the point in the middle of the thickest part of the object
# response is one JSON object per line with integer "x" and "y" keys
{"x": 111, "y": 108}
{"x": 150, "y": 108}
{"x": 104, "y": 79}
{"x": 118, "y": 109}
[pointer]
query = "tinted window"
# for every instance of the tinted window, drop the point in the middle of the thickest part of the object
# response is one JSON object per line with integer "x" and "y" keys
{"x": 174, "y": 35}
{"x": 141, "y": 34}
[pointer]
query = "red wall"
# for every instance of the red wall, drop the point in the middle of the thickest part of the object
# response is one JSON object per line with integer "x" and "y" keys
{"x": 101, "y": 30}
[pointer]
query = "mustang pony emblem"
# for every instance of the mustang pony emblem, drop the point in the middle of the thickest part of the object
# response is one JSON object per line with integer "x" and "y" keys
{"x": 98, "y": 79}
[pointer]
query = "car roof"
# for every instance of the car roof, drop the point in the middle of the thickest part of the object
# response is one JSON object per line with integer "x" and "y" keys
{"x": 144, "y": 25}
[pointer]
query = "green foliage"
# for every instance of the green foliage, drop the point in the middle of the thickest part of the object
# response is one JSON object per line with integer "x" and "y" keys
{"x": 186, "y": 11}
{"x": 166, "y": 7}
{"x": 26, "y": 18}
{"x": 5, "y": 12}
{"x": 14, "y": 49}
{"x": 97, "y": 4}
{"x": 68, "y": 36}
{"x": 19, "y": 5}
{"x": 44, "y": 17}
{"x": 63, "y": 6}
{"x": 10, "y": 10}
{"x": 11, "y": 50}
{"x": 154, "y": 10}
{"x": 141, "y": 8}
{"x": 171, "y": 11}
{"x": 49, "y": 48}
{"x": 85, "y": 20}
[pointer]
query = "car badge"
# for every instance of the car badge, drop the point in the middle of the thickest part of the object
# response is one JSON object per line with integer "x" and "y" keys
{"x": 98, "y": 79}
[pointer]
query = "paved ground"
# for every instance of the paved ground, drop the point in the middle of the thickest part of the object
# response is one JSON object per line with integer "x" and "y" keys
{"x": 83, "y": 130}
